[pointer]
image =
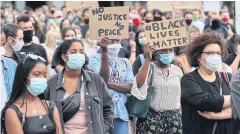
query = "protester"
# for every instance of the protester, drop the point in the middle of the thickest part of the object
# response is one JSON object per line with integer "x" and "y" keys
{"x": 90, "y": 46}
{"x": 95, "y": 114}
{"x": 9, "y": 18}
{"x": 141, "y": 12}
{"x": 233, "y": 59}
{"x": 53, "y": 37}
{"x": 216, "y": 25}
{"x": 148, "y": 17}
{"x": 14, "y": 42}
{"x": 164, "y": 114}
{"x": 37, "y": 31}
{"x": 188, "y": 16}
{"x": 234, "y": 85}
{"x": 205, "y": 96}
{"x": 7, "y": 72}
{"x": 85, "y": 23}
{"x": 158, "y": 15}
{"x": 58, "y": 17}
{"x": 65, "y": 23}
{"x": 26, "y": 110}
{"x": 68, "y": 33}
{"x": 78, "y": 32}
{"x": 70, "y": 16}
{"x": 225, "y": 18}
{"x": 198, "y": 19}
{"x": 29, "y": 47}
{"x": 119, "y": 84}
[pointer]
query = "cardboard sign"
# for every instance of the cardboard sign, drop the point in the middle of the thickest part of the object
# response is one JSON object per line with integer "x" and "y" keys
{"x": 111, "y": 22}
{"x": 165, "y": 6}
{"x": 76, "y": 5}
{"x": 166, "y": 34}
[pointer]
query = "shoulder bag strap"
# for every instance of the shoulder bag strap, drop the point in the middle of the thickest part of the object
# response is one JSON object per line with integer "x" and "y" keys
{"x": 220, "y": 85}
{"x": 19, "y": 113}
{"x": 151, "y": 73}
{"x": 142, "y": 58}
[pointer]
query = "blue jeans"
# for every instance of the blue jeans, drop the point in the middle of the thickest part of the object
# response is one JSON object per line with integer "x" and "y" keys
{"x": 120, "y": 127}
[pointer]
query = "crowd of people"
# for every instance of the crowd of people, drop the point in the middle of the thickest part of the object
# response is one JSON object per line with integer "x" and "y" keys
{"x": 55, "y": 79}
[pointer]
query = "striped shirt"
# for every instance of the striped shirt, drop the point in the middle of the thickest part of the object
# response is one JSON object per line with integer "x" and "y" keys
{"x": 167, "y": 90}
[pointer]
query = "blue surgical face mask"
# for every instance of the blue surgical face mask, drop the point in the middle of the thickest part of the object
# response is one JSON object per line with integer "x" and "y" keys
{"x": 71, "y": 17}
{"x": 166, "y": 58}
{"x": 142, "y": 42}
{"x": 76, "y": 61}
{"x": 58, "y": 20}
{"x": 37, "y": 86}
{"x": 214, "y": 62}
{"x": 9, "y": 20}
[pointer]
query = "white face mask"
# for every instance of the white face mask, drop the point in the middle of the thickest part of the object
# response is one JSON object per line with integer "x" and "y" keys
{"x": 18, "y": 46}
{"x": 214, "y": 62}
{"x": 2, "y": 51}
{"x": 79, "y": 36}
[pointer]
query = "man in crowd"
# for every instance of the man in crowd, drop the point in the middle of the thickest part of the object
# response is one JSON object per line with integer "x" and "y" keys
{"x": 188, "y": 16}
{"x": 197, "y": 20}
{"x": 29, "y": 47}
{"x": 14, "y": 41}
{"x": 7, "y": 72}
{"x": 225, "y": 18}
{"x": 215, "y": 25}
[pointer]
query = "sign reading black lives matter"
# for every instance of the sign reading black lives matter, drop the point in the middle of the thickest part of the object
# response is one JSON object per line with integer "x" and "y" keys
{"x": 167, "y": 33}
{"x": 111, "y": 22}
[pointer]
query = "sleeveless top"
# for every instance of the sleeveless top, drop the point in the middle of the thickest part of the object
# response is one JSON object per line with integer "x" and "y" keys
{"x": 41, "y": 124}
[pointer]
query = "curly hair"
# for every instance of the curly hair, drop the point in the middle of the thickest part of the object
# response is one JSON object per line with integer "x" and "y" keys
{"x": 197, "y": 46}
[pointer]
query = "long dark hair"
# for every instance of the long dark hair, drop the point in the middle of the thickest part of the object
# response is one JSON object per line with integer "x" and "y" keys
{"x": 19, "y": 88}
{"x": 62, "y": 49}
{"x": 139, "y": 49}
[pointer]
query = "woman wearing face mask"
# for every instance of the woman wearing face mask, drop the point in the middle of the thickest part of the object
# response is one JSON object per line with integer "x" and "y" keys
{"x": 141, "y": 41}
{"x": 10, "y": 19}
{"x": 119, "y": 84}
{"x": 27, "y": 112}
{"x": 205, "y": 97}
{"x": 164, "y": 113}
{"x": 78, "y": 32}
{"x": 157, "y": 15}
{"x": 70, "y": 16}
{"x": 81, "y": 96}
{"x": 148, "y": 16}
{"x": 85, "y": 23}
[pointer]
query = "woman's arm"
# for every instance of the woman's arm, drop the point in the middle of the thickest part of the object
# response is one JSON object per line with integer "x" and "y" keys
{"x": 12, "y": 123}
{"x": 143, "y": 72}
{"x": 57, "y": 121}
{"x": 120, "y": 87}
{"x": 226, "y": 113}
{"x": 192, "y": 94}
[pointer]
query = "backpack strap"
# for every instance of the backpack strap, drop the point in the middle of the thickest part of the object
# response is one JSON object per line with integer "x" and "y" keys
{"x": 19, "y": 113}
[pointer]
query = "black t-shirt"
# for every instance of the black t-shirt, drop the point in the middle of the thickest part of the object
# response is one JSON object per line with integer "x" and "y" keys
{"x": 84, "y": 30}
{"x": 35, "y": 49}
{"x": 200, "y": 95}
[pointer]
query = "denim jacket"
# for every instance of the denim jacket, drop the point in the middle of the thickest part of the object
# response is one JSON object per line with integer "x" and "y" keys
{"x": 9, "y": 68}
{"x": 120, "y": 72}
{"x": 99, "y": 106}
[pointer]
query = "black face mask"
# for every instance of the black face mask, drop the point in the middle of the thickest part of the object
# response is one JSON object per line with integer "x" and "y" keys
{"x": 52, "y": 11}
{"x": 215, "y": 24}
{"x": 86, "y": 21}
{"x": 188, "y": 22}
{"x": 148, "y": 21}
{"x": 157, "y": 18}
{"x": 27, "y": 36}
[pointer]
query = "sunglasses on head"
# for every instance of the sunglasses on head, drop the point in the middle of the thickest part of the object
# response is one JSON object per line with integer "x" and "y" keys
{"x": 34, "y": 57}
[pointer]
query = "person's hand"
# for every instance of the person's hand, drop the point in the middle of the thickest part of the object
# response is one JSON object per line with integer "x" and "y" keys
{"x": 178, "y": 61}
{"x": 104, "y": 43}
{"x": 148, "y": 50}
{"x": 173, "y": 4}
{"x": 208, "y": 115}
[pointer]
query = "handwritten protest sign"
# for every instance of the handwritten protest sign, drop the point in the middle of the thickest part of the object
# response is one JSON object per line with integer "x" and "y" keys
{"x": 111, "y": 22}
{"x": 167, "y": 33}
